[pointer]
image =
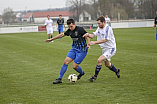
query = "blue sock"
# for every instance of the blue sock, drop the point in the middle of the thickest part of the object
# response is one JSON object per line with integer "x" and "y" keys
{"x": 79, "y": 70}
{"x": 112, "y": 68}
{"x": 97, "y": 70}
{"x": 51, "y": 36}
{"x": 63, "y": 70}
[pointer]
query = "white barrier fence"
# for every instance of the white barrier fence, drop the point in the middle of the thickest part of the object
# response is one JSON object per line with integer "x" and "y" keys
{"x": 132, "y": 24}
{"x": 113, "y": 25}
{"x": 19, "y": 29}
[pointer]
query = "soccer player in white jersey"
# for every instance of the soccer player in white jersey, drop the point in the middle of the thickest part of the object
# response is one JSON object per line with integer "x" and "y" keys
{"x": 49, "y": 27}
{"x": 106, "y": 40}
{"x": 107, "y": 20}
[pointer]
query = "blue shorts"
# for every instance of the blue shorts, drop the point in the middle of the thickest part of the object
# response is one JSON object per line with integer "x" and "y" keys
{"x": 60, "y": 29}
{"x": 76, "y": 55}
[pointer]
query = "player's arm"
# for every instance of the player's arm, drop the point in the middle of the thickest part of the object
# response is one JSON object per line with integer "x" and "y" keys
{"x": 154, "y": 26}
{"x": 46, "y": 24}
{"x": 89, "y": 35}
{"x": 155, "y": 23}
{"x": 88, "y": 42}
{"x": 56, "y": 37}
{"x": 98, "y": 42}
{"x": 64, "y": 26}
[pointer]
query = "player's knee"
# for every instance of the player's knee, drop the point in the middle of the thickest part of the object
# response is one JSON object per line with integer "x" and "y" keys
{"x": 107, "y": 65}
{"x": 75, "y": 67}
{"x": 99, "y": 61}
{"x": 66, "y": 62}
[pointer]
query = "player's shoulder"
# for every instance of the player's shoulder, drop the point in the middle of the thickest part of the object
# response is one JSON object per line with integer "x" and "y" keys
{"x": 79, "y": 28}
{"x": 107, "y": 28}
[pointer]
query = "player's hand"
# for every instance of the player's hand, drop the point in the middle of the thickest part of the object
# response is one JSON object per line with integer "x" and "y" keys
{"x": 92, "y": 42}
{"x": 48, "y": 40}
{"x": 88, "y": 46}
{"x": 153, "y": 27}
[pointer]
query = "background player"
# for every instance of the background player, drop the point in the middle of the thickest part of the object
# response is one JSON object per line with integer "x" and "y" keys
{"x": 49, "y": 27}
{"x": 59, "y": 25}
{"x": 78, "y": 51}
{"x": 155, "y": 21}
{"x": 106, "y": 40}
{"x": 107, "y": 20}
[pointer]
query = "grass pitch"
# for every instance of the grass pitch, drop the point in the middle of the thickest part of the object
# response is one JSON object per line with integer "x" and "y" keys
{"x": 28, "y": 66}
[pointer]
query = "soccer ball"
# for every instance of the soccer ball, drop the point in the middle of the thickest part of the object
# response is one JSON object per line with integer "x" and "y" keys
{"x": 72, "y": 78}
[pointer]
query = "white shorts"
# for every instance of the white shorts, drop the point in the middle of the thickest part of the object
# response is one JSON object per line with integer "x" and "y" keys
{"x": 49, "y": 30}
{"x": 108, "y": 53}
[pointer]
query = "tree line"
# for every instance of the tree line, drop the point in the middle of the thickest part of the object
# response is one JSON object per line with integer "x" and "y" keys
{"x": 127, "y": 9}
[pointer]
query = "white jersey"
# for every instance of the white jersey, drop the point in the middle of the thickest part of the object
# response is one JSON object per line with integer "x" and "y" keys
{"x": 107, "y": 20}
{"x": 48, "y": 23}
{"x": 106, "y": 33}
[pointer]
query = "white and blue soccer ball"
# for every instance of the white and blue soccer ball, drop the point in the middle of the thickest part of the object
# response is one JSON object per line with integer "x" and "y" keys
{"x": 72, "y": 78}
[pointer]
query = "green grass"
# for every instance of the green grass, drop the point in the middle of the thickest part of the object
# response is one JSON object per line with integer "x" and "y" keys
{"x": 28, "y": 66}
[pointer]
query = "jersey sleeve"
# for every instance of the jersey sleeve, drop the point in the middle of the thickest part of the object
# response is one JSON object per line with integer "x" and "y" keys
{"x": 82, "y": 31}
{"x": 67, "y": 33}
{"x": 45, "y": 23}
{"x": 96, "y": 32}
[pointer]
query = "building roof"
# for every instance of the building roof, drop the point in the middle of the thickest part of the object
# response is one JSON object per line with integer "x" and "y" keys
{"x": 27, "y": 15}
{"x": 51, "y": 13}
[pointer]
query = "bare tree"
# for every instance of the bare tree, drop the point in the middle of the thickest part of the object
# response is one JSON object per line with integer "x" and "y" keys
{"x": 76, "y": 7}
{"x": 8, "y": 15}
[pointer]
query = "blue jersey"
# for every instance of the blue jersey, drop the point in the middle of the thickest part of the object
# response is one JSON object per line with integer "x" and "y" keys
{"x": 60, "y": 23}
{"x": 79, "y": 43}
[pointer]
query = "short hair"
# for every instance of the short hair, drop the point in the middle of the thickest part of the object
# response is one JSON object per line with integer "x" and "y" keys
{"x": 48, "y": 15}
{"x": 60, "y": 15}
{"x": 101, "y": 18}
{"x": 69, "y": 21}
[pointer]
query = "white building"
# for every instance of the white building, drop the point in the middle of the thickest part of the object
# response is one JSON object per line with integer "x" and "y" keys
{"x": 40, "y": 17}
{"x": 84, "y": 16}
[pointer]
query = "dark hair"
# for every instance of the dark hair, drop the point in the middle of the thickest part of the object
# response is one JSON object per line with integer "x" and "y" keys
{"x": 69, "y": 21}
{"x": 101, "y": 18}
{"x": 60, "y": 15}
{"x": 48, "y": 15}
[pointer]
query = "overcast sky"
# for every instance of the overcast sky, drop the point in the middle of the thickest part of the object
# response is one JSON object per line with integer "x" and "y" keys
{"x": 17, "y": 5}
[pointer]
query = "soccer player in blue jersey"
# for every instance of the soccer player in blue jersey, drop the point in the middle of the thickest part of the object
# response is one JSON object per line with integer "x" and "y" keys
{"x": 155, "y": 21}
{"x": 78, "y": 51}
{"x": 59, "y": 25}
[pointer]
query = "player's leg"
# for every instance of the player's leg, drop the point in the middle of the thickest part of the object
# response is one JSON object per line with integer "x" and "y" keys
{"x": 51, "y": 35}
{"x": 51, "y": 32}
{"x": 70, "y": 57}
{"x": 61, "y": 31}
{"x": 108, "y": 54}
{"x": 48, "y": 36}
{"x": 63, "y": 70}
{"x": 112, "y": 68}
{"x": 64, "y": 66}
{"x": 98, "y": 67}
{"x": 48, "y": 33}
{"x": 77, "y": 61}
